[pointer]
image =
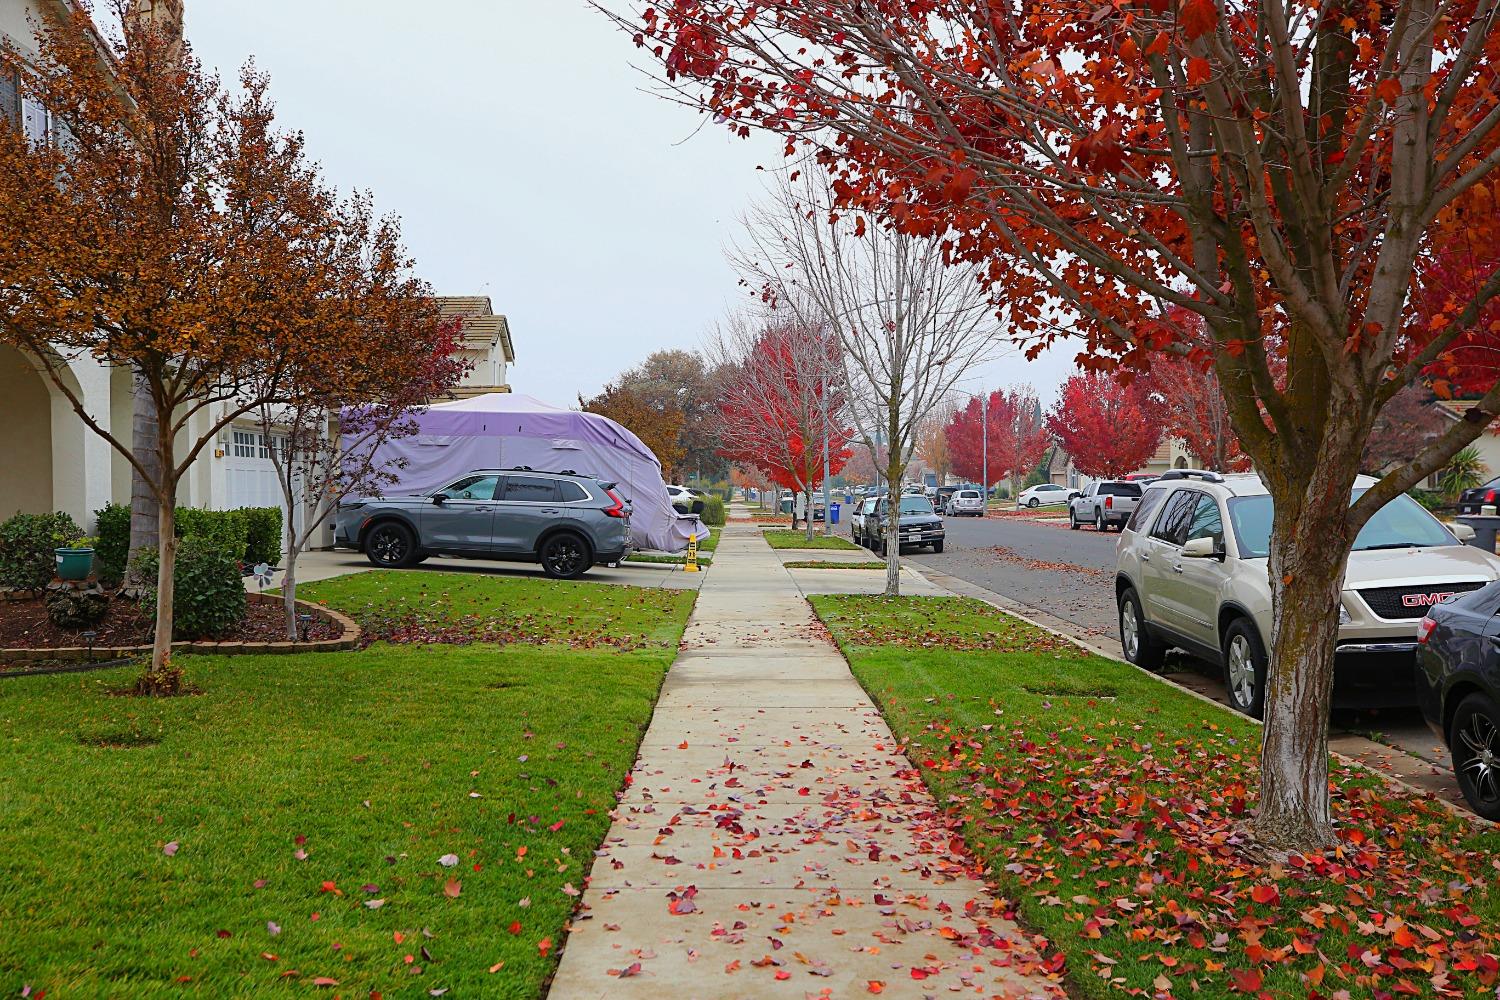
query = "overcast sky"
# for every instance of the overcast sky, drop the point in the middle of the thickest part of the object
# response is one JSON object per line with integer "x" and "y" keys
{"x": 514, "y": 139}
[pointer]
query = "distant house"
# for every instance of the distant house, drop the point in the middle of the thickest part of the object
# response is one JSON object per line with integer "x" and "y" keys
{"x": 486, "y": 344}
{"x": 1170, "y": 454}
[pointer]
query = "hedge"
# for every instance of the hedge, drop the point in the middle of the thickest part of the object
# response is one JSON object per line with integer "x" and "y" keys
{"x": 27, "y": 544}
{"x": 208, "y": 593}
{"x": 713, "y": 511}
{"x": 251, "y": 534}
{"x": 264, "y": 537}
{"x": 112, "y": 548}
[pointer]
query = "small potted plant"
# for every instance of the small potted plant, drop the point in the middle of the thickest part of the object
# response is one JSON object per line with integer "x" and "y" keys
{"x": 75, "y": 558}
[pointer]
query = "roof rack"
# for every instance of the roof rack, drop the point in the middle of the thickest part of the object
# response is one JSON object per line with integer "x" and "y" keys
{"x": 1203, "y": 474}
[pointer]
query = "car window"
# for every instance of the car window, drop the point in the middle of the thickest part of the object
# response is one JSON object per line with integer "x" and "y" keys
{"x": 1150, "y": 500}
{"x": 571, "y": 491}
{"x": 1401, "y": 523}
{"x": 1120, "y": 489}
{"x": 1172, "y": 525}
{"x": 916, "y": 505}
{"x": 531, "y": 489}
{"x": 1206, "y": 521}
{"x": 471, "y": 488}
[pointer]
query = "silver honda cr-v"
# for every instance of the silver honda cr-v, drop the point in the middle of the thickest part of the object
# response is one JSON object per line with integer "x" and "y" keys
{"x": 563, "y": 521}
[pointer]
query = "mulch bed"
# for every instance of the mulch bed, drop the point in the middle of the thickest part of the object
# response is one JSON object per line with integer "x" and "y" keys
{"x": 25, "y": 625}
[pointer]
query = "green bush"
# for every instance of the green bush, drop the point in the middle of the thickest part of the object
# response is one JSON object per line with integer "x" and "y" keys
{"x": 227, "y": 530}
{"x": 27, "y": 541}
{"x": 713, "y": 511}
{"x": 1428, "y": 499}
{"x": 263, "y": 543}
{"x": 112, "y": 550}
{"x": 208, "y": 593}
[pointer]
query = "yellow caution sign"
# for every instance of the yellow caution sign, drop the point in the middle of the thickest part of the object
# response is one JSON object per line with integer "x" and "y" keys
{"x": 691, "y": 566}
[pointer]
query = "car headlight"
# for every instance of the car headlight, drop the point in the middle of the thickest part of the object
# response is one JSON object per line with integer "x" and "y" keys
{"x": 1344, "y": 618}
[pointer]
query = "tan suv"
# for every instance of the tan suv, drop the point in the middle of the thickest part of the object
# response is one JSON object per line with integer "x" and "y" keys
{"x": 1182, "y": 580}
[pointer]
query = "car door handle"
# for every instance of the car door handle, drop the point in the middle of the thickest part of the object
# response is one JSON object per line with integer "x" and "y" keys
{"x": 1145, "y": 557}
{"x": 1177, "y": 567}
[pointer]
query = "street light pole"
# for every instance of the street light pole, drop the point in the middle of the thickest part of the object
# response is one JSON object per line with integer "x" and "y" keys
{"x": 984, "y": 451}
{"x": 827, "y": 510}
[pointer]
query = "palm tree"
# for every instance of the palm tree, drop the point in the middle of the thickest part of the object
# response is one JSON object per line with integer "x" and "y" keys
{"x": 1464, "y": 472}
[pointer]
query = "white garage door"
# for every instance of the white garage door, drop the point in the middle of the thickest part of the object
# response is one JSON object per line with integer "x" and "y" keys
{"x": 251, "y": 475}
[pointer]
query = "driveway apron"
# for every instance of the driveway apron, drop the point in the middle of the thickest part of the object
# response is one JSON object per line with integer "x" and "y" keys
{"x": 773, "y": 840}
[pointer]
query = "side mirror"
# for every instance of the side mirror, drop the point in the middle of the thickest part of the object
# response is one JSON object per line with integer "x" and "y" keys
{"x": 439, "y": 499}
{"x": 1202, "y": 548}
{"x": 1462, "y": 532}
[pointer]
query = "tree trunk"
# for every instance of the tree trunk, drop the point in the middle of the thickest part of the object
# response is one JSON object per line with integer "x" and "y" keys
{"x": 289, "y": 588}
{"x": 162, "y": 677}
{"x": 808, "y": 511}
{"x": 144, "y": 517}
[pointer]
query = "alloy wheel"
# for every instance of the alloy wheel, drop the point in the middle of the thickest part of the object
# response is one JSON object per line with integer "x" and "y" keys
{"x": 388, "y": 546}
{"x": 1241, "y": 669}
{"x": 1130, "y": 635}
{"x": 564, "y": 556}
{"x": 1479, "y": 762}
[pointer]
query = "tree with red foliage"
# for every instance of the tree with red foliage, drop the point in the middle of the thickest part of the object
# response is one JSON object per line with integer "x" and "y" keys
{"x": 1005, "y": 439}
{"x": 1190, "y": 405}
{"x": 781, "y": 403}
{"x": 1107, "y": 427}
{"x": 1294, "y": 172}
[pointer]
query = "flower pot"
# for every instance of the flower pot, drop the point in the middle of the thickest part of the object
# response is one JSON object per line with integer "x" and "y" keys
{"x": 74, "y": 564}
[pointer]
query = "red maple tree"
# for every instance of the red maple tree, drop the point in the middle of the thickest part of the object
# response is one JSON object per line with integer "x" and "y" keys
{"x": 1107, "y": 428}
{"x": 1006, "y": 439}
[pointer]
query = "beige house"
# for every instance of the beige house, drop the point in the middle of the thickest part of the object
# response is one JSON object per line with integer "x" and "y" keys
{"x": 1170, "y": 454}
{"x": 486, "y": 344}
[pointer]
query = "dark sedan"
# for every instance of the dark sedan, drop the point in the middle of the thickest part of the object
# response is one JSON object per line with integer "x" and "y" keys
{"x": 1458, "y": 688}
{"x": 919, "y": 524}
{"x": 1473, "y": 501}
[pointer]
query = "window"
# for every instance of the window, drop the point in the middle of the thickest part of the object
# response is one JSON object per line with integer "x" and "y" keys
{"x": 571, "y": 491}
{"x": 1172, "y": 526}
{"x": 1141, "y": 516}
{"x": 1206, "y": 521}
{"x": 531, "y": 489}
{"x": 916, "y": 505}
{"x": 1399, "y": 524}
{"x": 1120, "y": 489}
{"x": 34, "y": 119}
{"x": 10, "y": 97}
{"x": 471, "y": 488}
{"x": 244, "y": 444}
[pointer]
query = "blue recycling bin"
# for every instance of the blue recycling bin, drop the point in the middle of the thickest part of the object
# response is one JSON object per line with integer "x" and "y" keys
{"x": 833, "y": 513}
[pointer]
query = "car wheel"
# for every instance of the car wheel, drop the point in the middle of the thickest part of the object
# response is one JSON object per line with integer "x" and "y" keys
{"x": 1245, "y": 669}
{"x": 937, "y": 546}
{"x": 1033, "y": 502}
{"x": 1140, "y": 646}
{"x": 565, "y": 556}
{"x": 1073, "y": 524}
{"x": 1099, "y": 521}
{"x": 1474, "y": 740}
{"x": 391, "y": 546}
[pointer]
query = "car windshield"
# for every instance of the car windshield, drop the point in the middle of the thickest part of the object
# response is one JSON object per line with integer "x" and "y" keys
{"x": 916, "y": 505}
{"x": 1400, "y": 524}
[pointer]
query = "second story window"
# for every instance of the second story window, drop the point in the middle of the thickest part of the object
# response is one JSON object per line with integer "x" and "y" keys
{"x": 10, "y": 96}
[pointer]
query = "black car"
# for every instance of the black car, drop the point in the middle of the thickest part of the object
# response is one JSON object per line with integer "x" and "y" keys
{"x": 1458, "y": 689}
{"x": 1470, "y": 501}
{"x": 918, "y": 524}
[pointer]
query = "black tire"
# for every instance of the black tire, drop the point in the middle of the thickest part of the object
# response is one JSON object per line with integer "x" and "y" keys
{"x": 1474, "y": 741}
{"x": 937, "y": 546}
{"x": 1073, "y": 524}
{"x": 1033, "y": 502}
{"x": 1141, "y": 647}
{"x": 565, "y": 556}
{"x": 1245, "y": 664}
{"x": 1099, "y": 521}
{"x": 391, "y": 545}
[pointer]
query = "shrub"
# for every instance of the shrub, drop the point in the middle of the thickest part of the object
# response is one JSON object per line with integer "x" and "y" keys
{"x": 112, "y": 551}
{"x": 713, "y": 511}
{"x": 1428, "y": 499}
{"x": 263, "y": 528}
{"x": 208, "y": 593}
{"x": 27, "y": 541}
{"x": 226, "y": 530}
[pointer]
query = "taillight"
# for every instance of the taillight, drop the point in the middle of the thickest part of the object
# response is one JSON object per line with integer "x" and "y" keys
{"x": 1109, "y": 502}
{"x": 617, "y": 508}
{"x": 1424, "y": 629}
{"x": 1489, "y": 497}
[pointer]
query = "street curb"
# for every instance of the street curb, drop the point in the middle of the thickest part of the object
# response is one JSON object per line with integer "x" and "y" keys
{"x": 1031, "y": 616}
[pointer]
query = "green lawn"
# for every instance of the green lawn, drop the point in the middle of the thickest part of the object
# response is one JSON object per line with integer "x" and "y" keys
{"x": 1109, "y": 806}
{"x": 826, "y": 564}
{"x": 312, "y": 800}
{"x": 782, "y": 538}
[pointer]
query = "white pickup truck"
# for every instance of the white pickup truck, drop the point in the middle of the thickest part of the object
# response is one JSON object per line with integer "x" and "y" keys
{"x": 1106, "y": 503}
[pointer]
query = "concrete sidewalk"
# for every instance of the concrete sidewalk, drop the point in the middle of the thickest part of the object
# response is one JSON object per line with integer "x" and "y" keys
{"x": 773, "y": 841}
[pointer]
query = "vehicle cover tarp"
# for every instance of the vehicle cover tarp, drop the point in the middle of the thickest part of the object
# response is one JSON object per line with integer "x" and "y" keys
{"x": 502, "y": 430}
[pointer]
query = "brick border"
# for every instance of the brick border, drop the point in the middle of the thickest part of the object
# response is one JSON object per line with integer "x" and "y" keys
{"x": 347, "y": 641}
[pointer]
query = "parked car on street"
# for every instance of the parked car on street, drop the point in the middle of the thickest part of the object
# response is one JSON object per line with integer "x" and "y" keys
{"x": 1045, "y": 493}
{"x": 1105, "y": 504}
{"x": 1192, "y": 573}
{"x": 918, "y": 524}
{"x": 965, "y": 501}
{"x": 1458, "y": 689}
{"x": 566, "y": 522}
{"x": 857, "y": 521}
{"x": 1472, "y": 501}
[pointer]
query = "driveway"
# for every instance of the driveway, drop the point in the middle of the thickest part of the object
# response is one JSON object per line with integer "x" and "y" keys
{"x": 1066, "y": 579}
{"x": 323, "y": 564}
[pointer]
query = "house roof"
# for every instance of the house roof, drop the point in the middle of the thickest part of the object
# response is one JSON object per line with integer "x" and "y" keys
{"x": 481, "y": 324}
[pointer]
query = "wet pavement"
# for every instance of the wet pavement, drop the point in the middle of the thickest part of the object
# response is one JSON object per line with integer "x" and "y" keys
{"x": 1066, "y": 577}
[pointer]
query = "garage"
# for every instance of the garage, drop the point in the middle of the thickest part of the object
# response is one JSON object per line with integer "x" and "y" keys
{"x": 250, "y": 478}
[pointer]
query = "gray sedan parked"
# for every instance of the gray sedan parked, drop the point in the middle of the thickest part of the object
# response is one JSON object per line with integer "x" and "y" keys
{"x": 563, "y": 521}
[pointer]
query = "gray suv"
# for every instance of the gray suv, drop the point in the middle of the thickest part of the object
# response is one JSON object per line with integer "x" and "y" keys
{"x": 564, "y": 521}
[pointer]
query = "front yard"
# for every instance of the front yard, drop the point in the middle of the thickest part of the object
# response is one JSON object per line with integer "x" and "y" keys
{"x": 1108, "y": 806}
{"x": 788, "y": 539}
{"x": 414, "y": 817}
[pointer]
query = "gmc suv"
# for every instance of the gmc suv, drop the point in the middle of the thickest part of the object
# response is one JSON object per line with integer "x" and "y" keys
{"x": 1192, "y": 573}
{"x": 564, "y": 521}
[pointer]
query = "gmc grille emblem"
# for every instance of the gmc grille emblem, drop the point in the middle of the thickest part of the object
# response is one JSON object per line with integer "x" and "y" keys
{"x": 1424, "y": 600}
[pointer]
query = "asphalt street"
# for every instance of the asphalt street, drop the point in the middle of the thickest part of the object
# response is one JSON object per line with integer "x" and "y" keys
{"x": 1069, "y": 575}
